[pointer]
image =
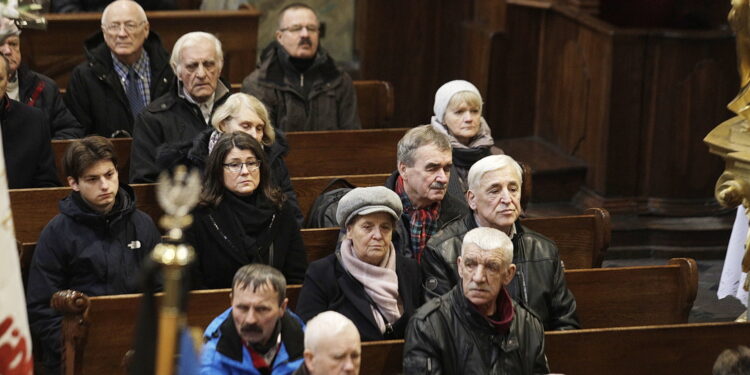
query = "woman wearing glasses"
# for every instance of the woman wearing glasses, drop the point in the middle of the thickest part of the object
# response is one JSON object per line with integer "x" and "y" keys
{"x": 239, "y": 113}
{"x": 242, "y": 217}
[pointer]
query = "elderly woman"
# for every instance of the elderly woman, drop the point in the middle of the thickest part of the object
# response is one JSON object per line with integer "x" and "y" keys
{"x": 458, "y": 113}
{"x": 365, "y": 280}
{"x": 243, "y": 113}
{"x": 242, "y": 217}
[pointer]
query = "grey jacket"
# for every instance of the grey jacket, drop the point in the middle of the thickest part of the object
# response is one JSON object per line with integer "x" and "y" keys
{"x": 540, "y": 278}
{"x": 321, "y": 98}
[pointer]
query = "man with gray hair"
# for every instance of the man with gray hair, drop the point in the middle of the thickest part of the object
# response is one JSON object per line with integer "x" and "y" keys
{"x": 35, "y": 89}
{"x": 185, "y": 111}
{"x": 421, "y": 181}
{"x": 332, "y": 346}
{"x": 257, "y": 334}
{"x": 494, "y": 196}
{"x": 126, "y": 68}
{"x": 477, "y": 328}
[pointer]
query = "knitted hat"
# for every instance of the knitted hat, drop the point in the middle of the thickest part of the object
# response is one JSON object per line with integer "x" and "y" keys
{"x": 7, "y": 28}
{"x": 368, "y": 200}
{"x": 445, "y": 93}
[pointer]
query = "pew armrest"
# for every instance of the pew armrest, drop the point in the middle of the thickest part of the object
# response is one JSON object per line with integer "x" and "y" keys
{"x": 74, "y": 306}
{"x": 603, "y": 232}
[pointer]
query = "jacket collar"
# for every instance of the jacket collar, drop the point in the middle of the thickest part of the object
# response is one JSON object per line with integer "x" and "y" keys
{"x": 480, "y": 325}
{"x": 271, "y": 62}
{"x": 292, "y": 338}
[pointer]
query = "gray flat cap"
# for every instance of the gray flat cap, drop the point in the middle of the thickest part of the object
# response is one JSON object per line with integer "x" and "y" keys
{"x": 367, "y": 200}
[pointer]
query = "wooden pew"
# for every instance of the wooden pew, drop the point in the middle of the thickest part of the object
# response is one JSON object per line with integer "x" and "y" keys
{"x": 311, "y": 154}
{"x": 85, "y": 317}
{"x": 56, "y": 51}
{"x": 375, "y": 103}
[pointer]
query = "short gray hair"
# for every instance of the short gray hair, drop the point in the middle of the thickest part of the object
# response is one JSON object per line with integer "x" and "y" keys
{"x": 232, "y": 105}
{"x": 417, "y": 137}
{"x": 257, "y": 275}
{"x": 326, "y": 324}
{"x": 490, "y": 239}
{"x": 190, "y": 39}
{"x": 139, "y": 9}
{"x": 489, "y": 164}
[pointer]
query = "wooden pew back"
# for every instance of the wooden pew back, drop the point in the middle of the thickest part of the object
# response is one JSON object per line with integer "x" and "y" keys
{"x": 56, "y": 51}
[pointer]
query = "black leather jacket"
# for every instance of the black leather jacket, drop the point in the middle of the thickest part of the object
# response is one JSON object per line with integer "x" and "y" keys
{"x": 447, "y": 336}
{"x": 540, "y": 278}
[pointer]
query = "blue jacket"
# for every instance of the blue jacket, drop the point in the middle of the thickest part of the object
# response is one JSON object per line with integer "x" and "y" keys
{"x": 225, "y": 354}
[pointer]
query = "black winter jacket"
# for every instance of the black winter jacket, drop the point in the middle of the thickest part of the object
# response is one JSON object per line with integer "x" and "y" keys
{"x": 40, "y": 91}
{"x": 95, "y": 95}
{"x": 448, "y": 336}
{"x": 29, "y": 161}
{"x": 169, "y": 119}
{"x": 327, "y": 102}
{"x": 220, "y": 250}
{"x": 193, "y": 154}
{"x": 92, "y": 253}
{"x": 328, "y": 286}
{"x": 540, "y": 278}
{"x": 451, "y": 208}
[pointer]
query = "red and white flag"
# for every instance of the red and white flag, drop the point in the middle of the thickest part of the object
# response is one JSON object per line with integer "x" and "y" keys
{"x": 15, "y": 340}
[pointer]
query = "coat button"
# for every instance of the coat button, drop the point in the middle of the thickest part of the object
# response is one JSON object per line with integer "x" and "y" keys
{"x": 163, "y": 105}
{"x": 164, "y": 80}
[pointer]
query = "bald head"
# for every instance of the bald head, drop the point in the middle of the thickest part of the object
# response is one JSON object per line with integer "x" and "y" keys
{"x": 125, "y": 29}
{"x": 332, "y": 345}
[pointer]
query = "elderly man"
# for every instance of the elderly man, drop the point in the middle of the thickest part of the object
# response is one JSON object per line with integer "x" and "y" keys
{"x": 185, "y": 111}
{"x": 421, "y": 181}
{"x": 126, "y": 68}
{"x": 332, "y": 346}
{"x": 29, "y": 161}
{"x": 34, "y": 89}
{"x": 299, "y": 81}
{"x": 477, "y": 328}
{"x": 494, "y": 196}
{"x": 256, "y": 335}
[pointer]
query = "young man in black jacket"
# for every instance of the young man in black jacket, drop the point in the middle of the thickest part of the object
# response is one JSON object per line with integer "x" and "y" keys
{"x": 96, "y": 245}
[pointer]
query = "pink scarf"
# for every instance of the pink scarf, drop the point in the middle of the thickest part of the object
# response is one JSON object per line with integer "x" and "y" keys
{"x": 380, "y": 282}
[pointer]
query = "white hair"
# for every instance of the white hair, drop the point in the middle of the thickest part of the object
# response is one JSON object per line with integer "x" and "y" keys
{"x": 327, "y": 324}
{"x": 489, "y": 164}
{"x": 191, "y": 39}
{"x": 490, "y": 239}
{"x": 139, "y": 9}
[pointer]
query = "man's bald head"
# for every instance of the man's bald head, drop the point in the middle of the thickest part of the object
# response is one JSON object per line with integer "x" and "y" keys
{"x": 125, "y": 29}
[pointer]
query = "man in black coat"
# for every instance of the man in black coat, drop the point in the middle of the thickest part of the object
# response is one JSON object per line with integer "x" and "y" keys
{"x": 477, "y": 328}
{"x": 95, "y": 245}
{"x": 421, "y": 181}
{"x": 494, "y": 196}
{"x": 184, "y": 111}
{"x": 35, "y": 89}
{"x": 126, "y": 68}
{"x": 29, "y": 161}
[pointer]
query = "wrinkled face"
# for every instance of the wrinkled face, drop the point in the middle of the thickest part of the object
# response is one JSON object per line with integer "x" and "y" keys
{"x": 125, "y": 30}
{"x": 299, "y": 33}
{"x": 3, "y": 78}
{"x": 462, "y": 121}
{"x": 371, "y": 236}
{"x": 98, "y": 185}
{"x": 483, "y": 274}
{"x": 11, "y": 49}
{"x": 339, "y": 355}
{"x": 241, "y": 172}
{"x": 255, "y": 313}
{"x": 245, "y": 120}
{"x": 427, "y": 180}
{"x": 497, "y": 201}
{"x": 199, "y": 69}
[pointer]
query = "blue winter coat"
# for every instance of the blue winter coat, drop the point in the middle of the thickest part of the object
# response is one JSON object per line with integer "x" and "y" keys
{"x": 225, "y": 354}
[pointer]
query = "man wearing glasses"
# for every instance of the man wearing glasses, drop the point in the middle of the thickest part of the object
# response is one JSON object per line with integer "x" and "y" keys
{"x": 126, "y": 68}
{"x": 299, "y": 82}
{"x": 477, "y": 328}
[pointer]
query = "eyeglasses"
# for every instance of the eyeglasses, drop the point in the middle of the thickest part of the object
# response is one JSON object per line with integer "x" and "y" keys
{"x": 491, "y": 268}
{"x": 115, "y": 27}
{"x": 294, "y": 29}
{"x": 252, "y": 166}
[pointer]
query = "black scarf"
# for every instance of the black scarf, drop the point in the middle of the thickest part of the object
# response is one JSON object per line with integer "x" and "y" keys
{"x": 252, "y": 219}
{"x": 466, "y": 157}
